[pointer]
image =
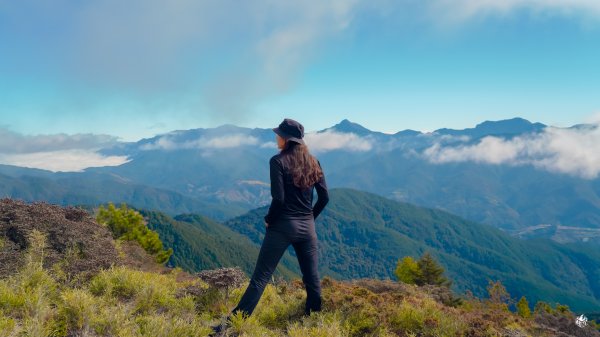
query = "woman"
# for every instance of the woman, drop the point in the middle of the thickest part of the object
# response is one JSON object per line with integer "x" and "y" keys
{"x": 291, "y": 217}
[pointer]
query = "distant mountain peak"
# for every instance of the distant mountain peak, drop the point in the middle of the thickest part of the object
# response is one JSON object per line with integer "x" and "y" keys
{"x": 513, "y": 123}
{"x": 346, "y": 126}
{"x": 513, "y": 126}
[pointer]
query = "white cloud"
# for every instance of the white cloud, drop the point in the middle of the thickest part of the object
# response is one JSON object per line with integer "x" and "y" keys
{"x": 269, "y": 145}
{"x": 13, "y": 142}
{"x": 460, "y": 10}
{"x": 63, "y": 160}
{"x": 331, "y": 140}
{"x": 571, "y": 151}
{"x": 226, "y": 54}
{"x": 220, "y": 142}
{"x": 57, "y": 152}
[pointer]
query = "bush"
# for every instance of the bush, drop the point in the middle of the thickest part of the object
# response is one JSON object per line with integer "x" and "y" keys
{"x": 78, "y": 308}
{"x": 407, "y": 270}
{"x": 523, "y": 308}
{"x": 128, "y": 224}
{"x": 422, "y": 272}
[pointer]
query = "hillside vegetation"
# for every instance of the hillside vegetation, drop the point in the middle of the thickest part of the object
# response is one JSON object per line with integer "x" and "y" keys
{"x": 135, "y": 296}
{"x": 200, "y": 243}
{"x": 363, "y": 235}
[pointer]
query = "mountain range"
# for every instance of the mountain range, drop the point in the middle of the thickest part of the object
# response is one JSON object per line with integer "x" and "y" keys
{"x": 222, "y": 172}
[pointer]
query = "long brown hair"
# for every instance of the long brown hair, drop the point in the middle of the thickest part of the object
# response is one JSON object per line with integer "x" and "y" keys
{"x": 304, "y": 168}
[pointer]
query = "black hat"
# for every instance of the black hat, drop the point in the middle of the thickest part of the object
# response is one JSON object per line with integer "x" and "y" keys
{"x": 290, "y": 130}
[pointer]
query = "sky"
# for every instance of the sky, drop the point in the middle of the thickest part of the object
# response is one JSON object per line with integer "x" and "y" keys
{"x": 107, "y": 70}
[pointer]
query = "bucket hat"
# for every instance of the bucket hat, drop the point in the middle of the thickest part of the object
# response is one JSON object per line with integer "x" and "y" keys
{"x": 290, "y": 129}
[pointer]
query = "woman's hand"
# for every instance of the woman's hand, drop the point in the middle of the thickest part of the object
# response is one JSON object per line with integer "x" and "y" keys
{"x": 266, "y": 224}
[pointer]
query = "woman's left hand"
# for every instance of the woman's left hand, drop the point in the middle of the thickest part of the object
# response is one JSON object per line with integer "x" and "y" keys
{"x": 266, "y": 224}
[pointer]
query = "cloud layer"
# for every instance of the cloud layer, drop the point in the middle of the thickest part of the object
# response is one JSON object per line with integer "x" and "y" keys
{"x": 13, "y": 142}
{"x": 572, "y": 151}
{"x": 65, "y": 160}
{"x": 168, "y": 142}
{"x": 58, "y": 152}
{"x": 225, "y": 55}
{"x": 460, "y": 10}
{"x": 331, "y": 140}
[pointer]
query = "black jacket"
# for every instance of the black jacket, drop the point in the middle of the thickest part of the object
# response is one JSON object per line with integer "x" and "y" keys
{"x": 289, "y": 201}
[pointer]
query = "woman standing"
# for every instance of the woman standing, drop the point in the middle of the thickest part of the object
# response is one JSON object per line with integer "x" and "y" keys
{"x": 291, "y": 217}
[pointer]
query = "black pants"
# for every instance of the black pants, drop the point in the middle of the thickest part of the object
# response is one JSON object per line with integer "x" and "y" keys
{"x": 277, "y": 239}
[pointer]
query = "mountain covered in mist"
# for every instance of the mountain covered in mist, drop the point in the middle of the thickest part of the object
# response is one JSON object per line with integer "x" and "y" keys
{"x": 526, "y": 178}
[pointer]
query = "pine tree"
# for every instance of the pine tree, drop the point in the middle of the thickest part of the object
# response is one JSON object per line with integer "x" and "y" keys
{"x": 523, "y": 308}
{"x": 541, "y": 306}
{"x": 407, "y": 270}
{"x": 498, "y": 295}
{"x": 430, "y": 272}
{"x": 128, "y": 224}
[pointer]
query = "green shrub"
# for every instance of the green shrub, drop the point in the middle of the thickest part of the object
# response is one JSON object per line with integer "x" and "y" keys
{"x": 407, "y": 270}
{"x": 114, "y": 319}
{"x": 426, "y": 319}
{"x": 148, "y": 291}
{"x": 128, "y": 224}
{"x": 8, "y": 326}
{"x": 541, "y": 306}
{"x": 248, "y": 326}
{"x": 11, "y": 301}
{"x": 276, "y": 309}
{"x": 407, "y": 318}
{"x": 523, "y": 308}
{"x": 78, "y": 308}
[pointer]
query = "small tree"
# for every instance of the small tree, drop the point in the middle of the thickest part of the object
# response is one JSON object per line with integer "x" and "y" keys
{"x": 407, "y": 270}
{"x": 523, "y": 308}
{"x": 498, "y": 295}
{"x": 541, "y": 307}
{"x": 430, "y": 272}
{"x": 562, "y": 308}
{"x": 128, "y": 224}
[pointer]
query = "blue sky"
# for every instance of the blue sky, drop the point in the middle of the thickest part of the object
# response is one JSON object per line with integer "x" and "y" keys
{"x": 151, "y": 66}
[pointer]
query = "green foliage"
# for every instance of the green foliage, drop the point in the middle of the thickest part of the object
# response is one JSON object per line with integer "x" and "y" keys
{"x": 78, "y": 309}
{"x": 542, "y": 306}
{"x": 424, "y": 271}
{"x": 145, "y": 291}
{"x": 561, "y": 308}
{"x": 498, "y": 295}
{"x": 169, "y": 326}
{"x": 407, "y": 270}
{"x": 523, "y": 308}
{"x": 248, "y": 326}
{"x": 430, "y": 272}
{"x": 28, "y": 295}
{"x": 318, "y": 325}
{"x": 126, "y": 302}
{"x": 425, "y": 318}
{"x": 122, "y": 301}
{"x": 128, "y": 224}
{"x": 7, "y": 326}
{"x": 362, "y": 235}
{"x": 200, "y": 243}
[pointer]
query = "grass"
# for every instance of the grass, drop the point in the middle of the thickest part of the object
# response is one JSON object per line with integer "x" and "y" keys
{"x": 124, "y": 301}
